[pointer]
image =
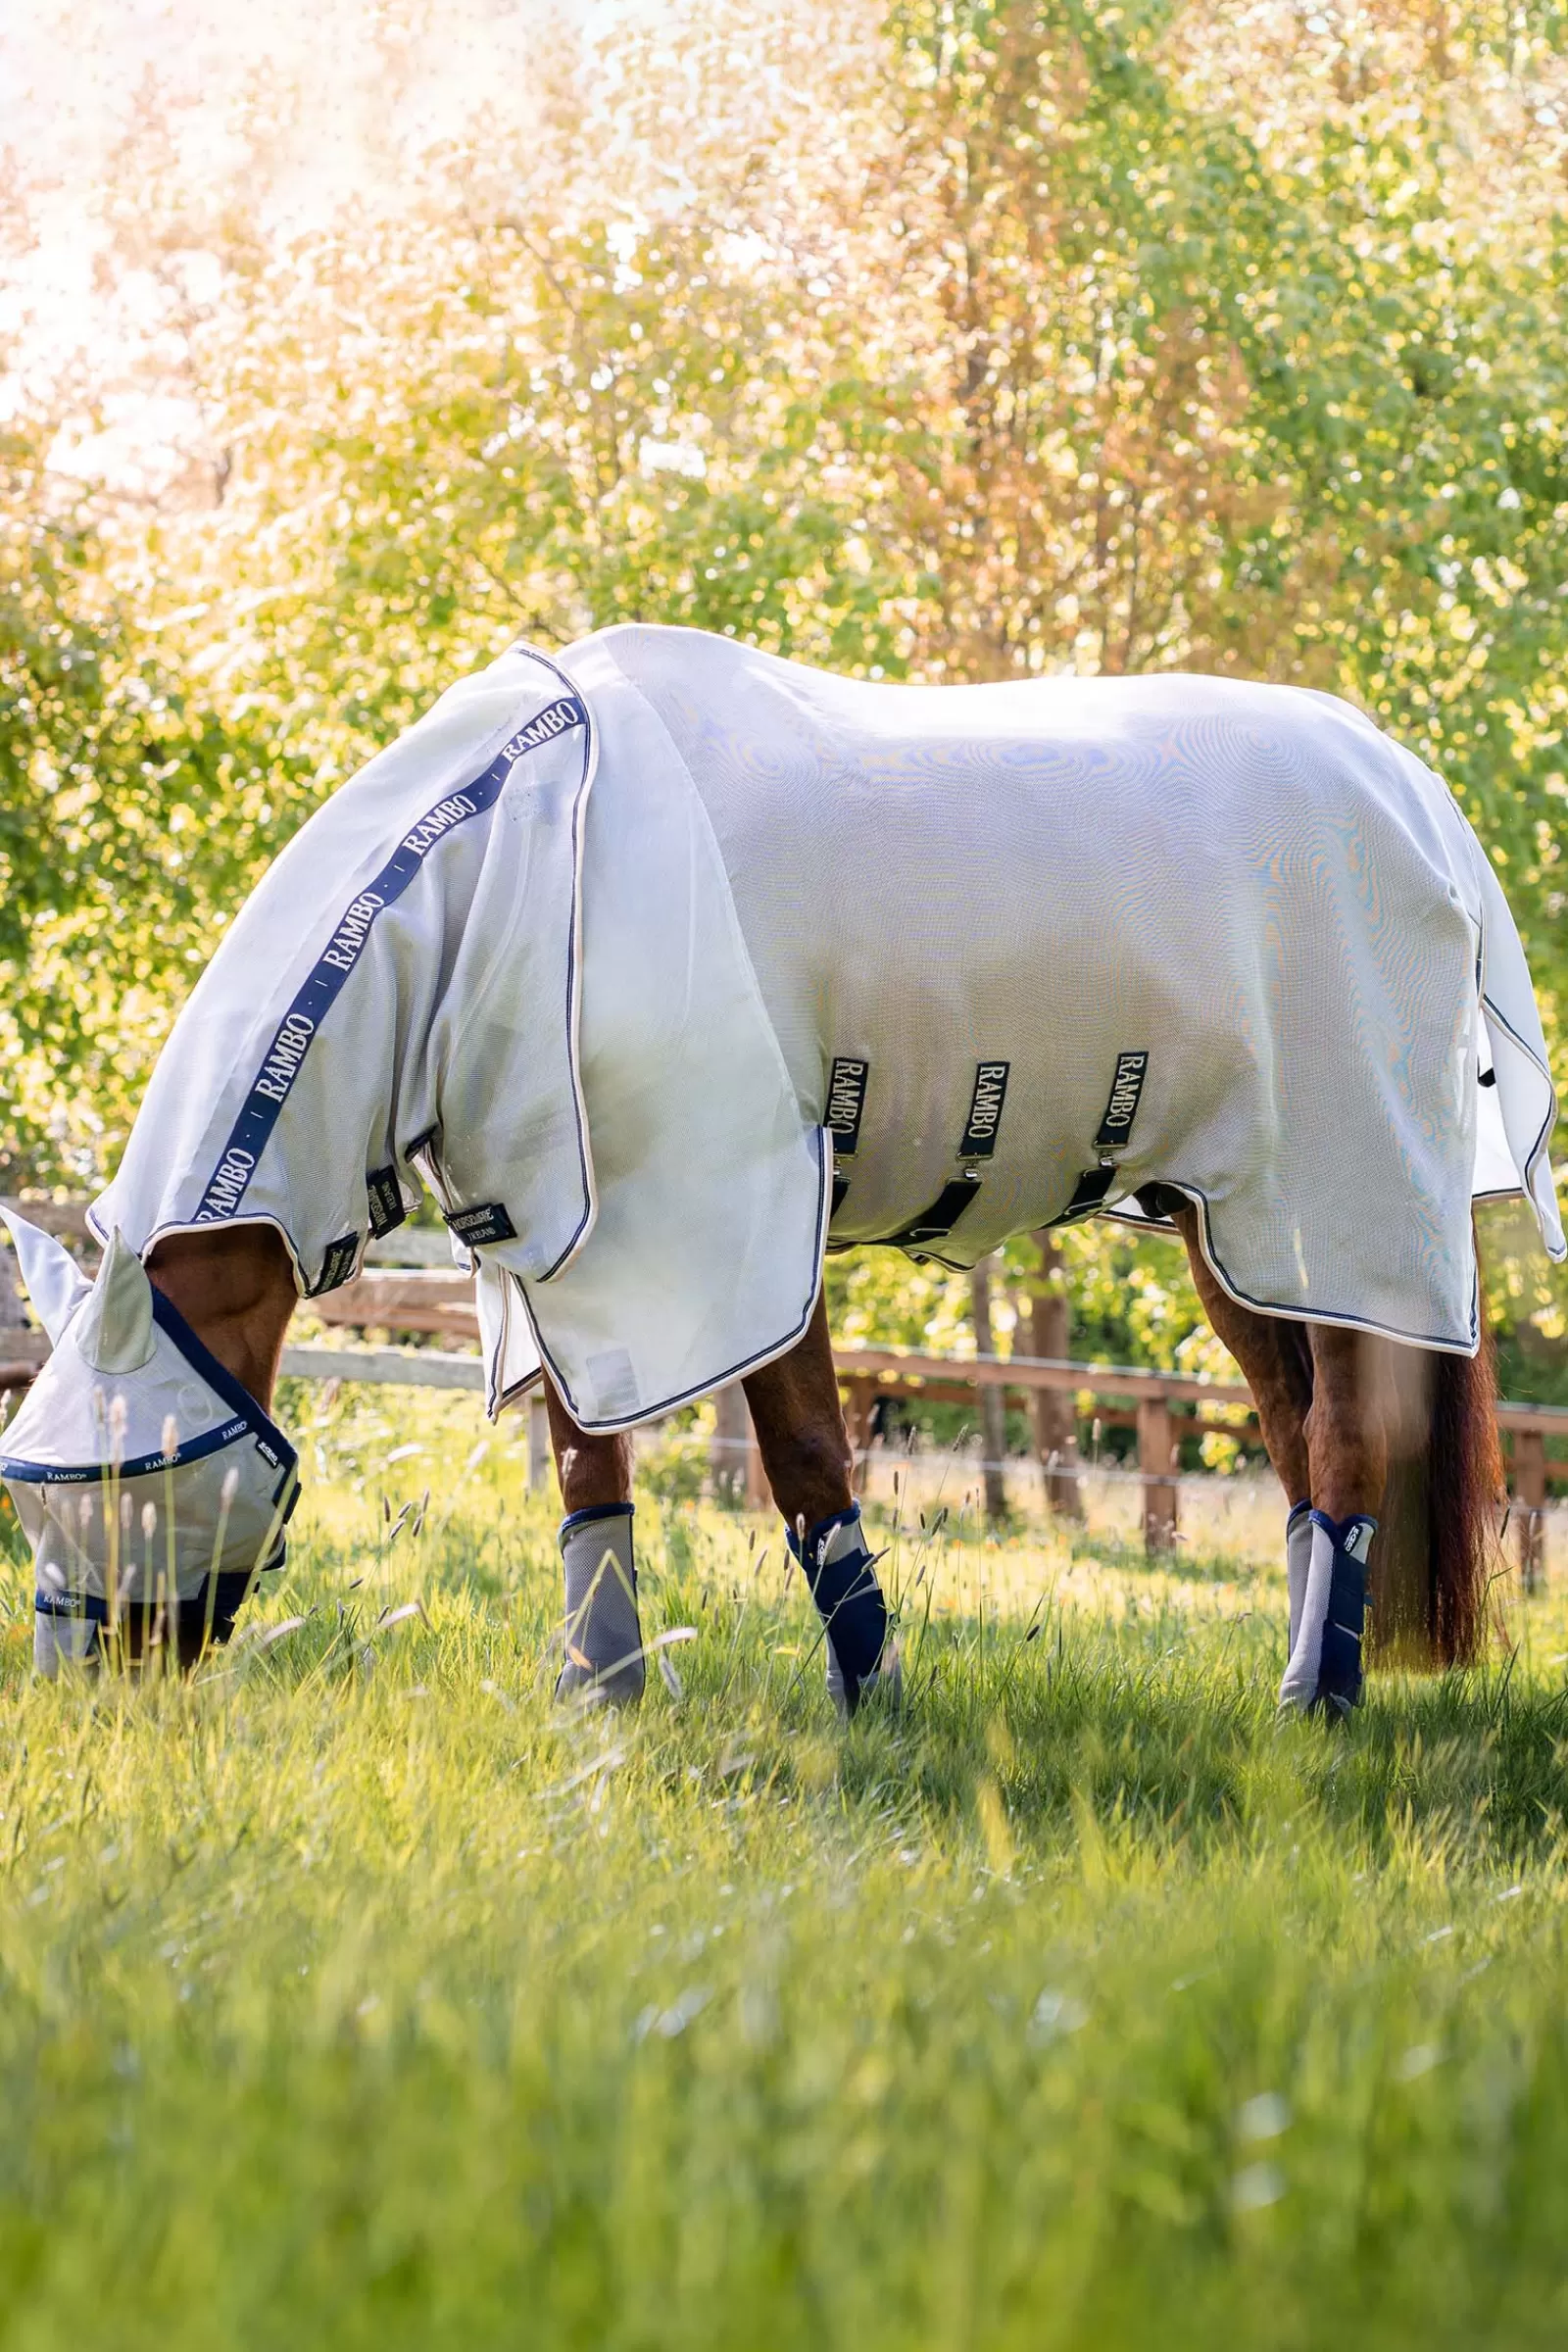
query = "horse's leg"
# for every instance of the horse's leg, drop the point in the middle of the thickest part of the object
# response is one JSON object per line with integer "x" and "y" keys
{"x": 1275, "y": 1355}
{"x": 234, "y": 1286}
{"x": 1348, "y": 1450}
{"x": 806, "y": 1454}
{"x": 603, "y": 1632}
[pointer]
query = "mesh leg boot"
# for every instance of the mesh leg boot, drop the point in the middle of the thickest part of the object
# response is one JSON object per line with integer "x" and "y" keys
{"x": 603, "y": 1632}
{"x": 1324, "y": 1675}
{"x": 842, "y": 1575}
{"x": 1297, "y": 1566}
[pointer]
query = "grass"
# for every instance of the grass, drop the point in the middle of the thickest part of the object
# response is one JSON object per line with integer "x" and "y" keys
{"x": 356, "y": 1997}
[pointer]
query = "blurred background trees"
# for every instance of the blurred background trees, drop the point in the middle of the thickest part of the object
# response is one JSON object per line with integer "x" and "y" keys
{"x": 929, "y": 340}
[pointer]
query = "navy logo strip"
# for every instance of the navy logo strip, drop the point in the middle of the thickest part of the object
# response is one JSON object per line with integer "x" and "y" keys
{"x": 984, "y": 1109}
{"x": 1121, "y": 1111}
{"x": 846, "y": 1103}
{"x": 252, "y": 1131}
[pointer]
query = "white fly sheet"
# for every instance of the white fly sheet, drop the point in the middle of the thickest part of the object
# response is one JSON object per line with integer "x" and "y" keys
{"x": 653, "y": 958}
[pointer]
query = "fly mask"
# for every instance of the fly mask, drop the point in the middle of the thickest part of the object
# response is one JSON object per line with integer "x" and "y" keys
{"x": 138, "y": 1464}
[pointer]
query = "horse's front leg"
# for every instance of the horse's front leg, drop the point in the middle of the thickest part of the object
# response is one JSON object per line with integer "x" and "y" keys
{"x": 603, "y": 1641}
{"x": 805, "y": 1452}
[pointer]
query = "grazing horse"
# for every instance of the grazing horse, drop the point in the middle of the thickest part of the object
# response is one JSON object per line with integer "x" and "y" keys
{"x": 665, "y": 966}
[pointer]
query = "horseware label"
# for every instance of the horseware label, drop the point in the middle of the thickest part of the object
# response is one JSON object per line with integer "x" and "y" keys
{"x": 280, "y": 1066}
{"x": 385, "y": 1196}
{"x": 338, "y": 1265}
{"x": 489, "y": 1222}
{"x": 985, "y": 1110}
{"x": 1122, "y": 1108}
{"x": 846, "y": 1100}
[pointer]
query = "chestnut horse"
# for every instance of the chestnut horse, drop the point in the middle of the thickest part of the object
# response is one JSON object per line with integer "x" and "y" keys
{"x": 1358, "y": 1427}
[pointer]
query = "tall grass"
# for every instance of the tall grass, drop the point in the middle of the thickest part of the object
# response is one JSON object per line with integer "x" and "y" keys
{"x": 354, "y": 1995}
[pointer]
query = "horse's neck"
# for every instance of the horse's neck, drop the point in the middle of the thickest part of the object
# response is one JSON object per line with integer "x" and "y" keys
{"x": 235, "y": 1287}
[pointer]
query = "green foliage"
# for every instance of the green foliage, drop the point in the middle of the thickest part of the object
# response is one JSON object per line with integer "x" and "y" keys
{"x": 946, "y": 341}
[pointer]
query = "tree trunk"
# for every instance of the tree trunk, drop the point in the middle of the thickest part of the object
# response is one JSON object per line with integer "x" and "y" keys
{"x": 993, "y": 1403}
{"x": 1056, "y": 1423}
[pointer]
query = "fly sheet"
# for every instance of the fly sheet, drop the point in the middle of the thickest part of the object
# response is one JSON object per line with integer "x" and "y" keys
{"x": 654, "y": 960}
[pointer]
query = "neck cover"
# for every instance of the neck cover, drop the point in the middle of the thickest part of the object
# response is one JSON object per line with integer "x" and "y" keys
{"x": 138, "y": 1464}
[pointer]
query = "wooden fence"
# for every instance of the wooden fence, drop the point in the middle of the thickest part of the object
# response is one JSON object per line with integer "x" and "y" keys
{"x": 1163, "y": 1408}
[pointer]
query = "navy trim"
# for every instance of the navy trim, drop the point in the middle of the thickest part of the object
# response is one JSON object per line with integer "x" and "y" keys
{"x": 249, "y": 1419}
{"x": 1489, "y": 1010}
{"x": 1297, "y": 1314}
{"x": 1339, "y": 1531}
{"x": 823, "y": 1526}
{"x": 284, "y": 1057}
{"x": 217, "y": 1375}
{"x": 595, "y": 1510}
{"x": 234, "y": 1585}
{"x": 144, "y": 1465}
{"x": 86, "y": 1606}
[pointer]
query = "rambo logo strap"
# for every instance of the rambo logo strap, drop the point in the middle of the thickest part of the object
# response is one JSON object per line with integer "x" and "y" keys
{"x": 979, "y": 1142}
{"x": 1114, "y": 1132}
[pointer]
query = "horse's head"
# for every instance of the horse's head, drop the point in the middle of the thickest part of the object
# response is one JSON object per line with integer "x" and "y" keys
{"x": 138, "y": 1465}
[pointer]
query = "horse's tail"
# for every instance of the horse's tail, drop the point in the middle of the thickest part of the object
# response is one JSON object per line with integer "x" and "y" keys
{"x": 1437, "y": 1535}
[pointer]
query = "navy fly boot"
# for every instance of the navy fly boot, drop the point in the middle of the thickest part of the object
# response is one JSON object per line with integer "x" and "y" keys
{"x": 1324, "y": 1675}
{"x": 841, "y": 1572}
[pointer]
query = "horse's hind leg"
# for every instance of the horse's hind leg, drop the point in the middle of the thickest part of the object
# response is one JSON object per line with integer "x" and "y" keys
{"x": 603, "y": 1641}
{"x": 806, "y": 1454}
{"x": 1275, "y": 1355}
{"x": 1348, "y": 1450}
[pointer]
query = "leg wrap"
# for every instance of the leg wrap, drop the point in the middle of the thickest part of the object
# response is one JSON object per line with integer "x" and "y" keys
{"x": 604, "y": 1636}
{"x": 842, "y": 1575}
{"x": 1325, "y": 1669}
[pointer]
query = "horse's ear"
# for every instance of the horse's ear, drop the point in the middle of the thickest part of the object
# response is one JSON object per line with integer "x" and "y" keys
{"x": 55, "y": 1284}
{"x": 116, "y": 1331}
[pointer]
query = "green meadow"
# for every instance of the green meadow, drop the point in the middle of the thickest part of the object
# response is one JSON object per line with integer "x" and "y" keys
{"x": 354, "y": 1996}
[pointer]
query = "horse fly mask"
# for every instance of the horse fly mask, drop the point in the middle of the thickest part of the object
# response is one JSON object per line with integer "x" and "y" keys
{"x": 142, "y": 1473}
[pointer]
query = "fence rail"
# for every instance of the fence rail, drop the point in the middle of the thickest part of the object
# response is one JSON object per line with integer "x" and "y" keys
{"x": 436, "y": 1301}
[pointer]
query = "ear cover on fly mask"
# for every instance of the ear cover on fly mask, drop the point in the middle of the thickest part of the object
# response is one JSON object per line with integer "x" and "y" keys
{"x": 55, "y": 1284}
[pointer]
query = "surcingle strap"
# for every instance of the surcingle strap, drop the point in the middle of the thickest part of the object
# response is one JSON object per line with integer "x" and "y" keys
{"x": 846, "y": 1107}
{"x": 978, "y": 1142}
{"x": 935, "y": 1223}
{"x": 1113, "y": 1135}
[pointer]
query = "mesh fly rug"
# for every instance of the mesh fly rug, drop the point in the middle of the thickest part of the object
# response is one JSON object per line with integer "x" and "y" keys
{"x": 664, "y": 964}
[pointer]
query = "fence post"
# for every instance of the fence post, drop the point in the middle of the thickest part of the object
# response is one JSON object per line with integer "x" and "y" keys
{"x": 732, "y": 1436}
{"x": 862, "y": 1395}
{"x": 992, "y": 1401}
{"x": 540, "y": 1462}
{"x": 1157, "y": 1451}
{"x": 759, "y": 1493}
{"x": 1056, "y": 1410}
{"x": 1530, "y": 1504}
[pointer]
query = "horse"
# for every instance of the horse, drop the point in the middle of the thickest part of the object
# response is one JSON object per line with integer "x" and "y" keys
{"x": 668, "y": 967}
